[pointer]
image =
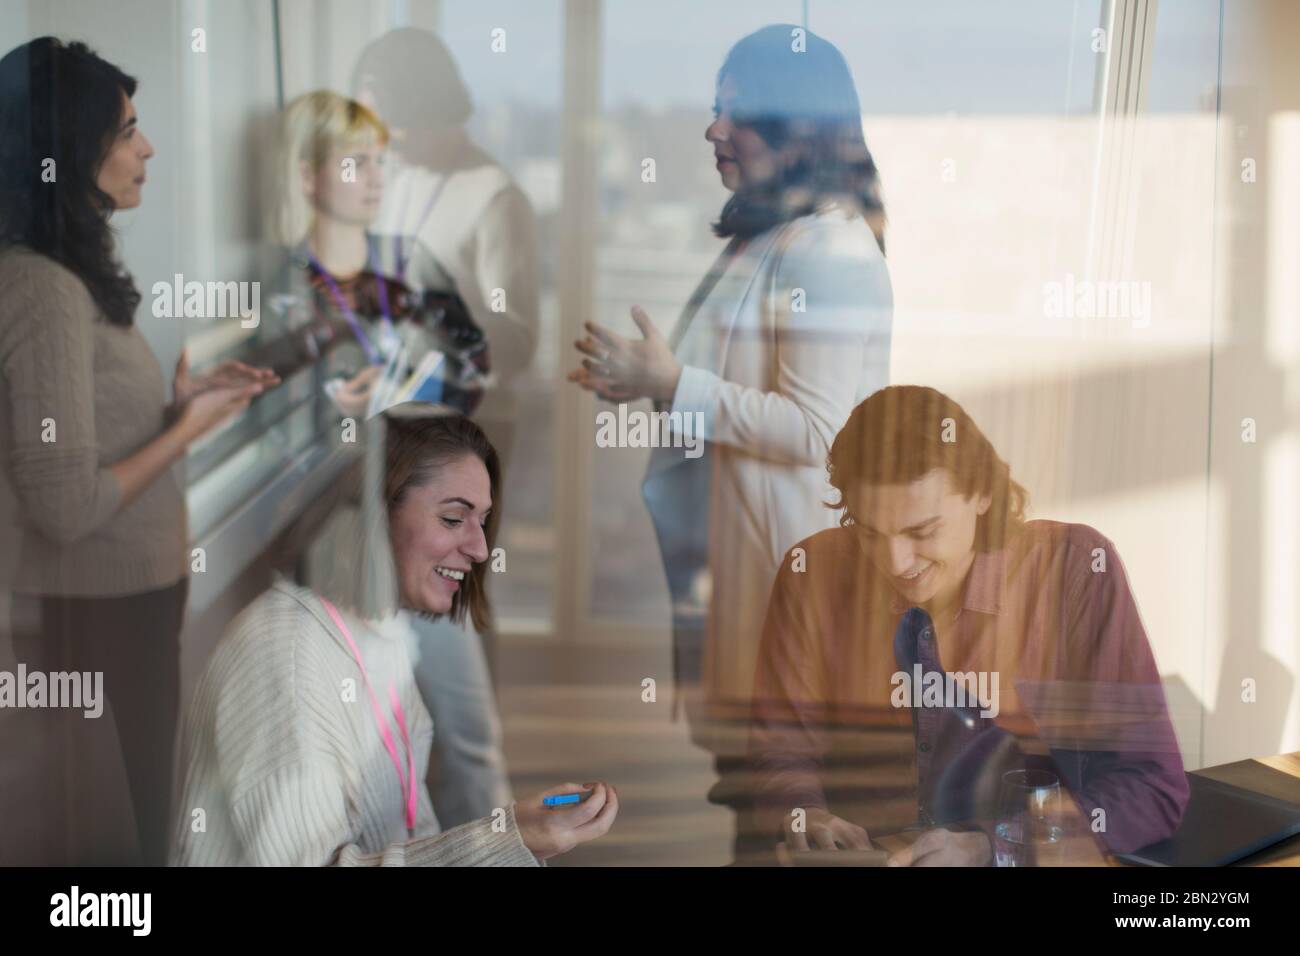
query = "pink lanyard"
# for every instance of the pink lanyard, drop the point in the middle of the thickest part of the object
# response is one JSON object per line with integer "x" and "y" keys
{"x": 405, "y": 780}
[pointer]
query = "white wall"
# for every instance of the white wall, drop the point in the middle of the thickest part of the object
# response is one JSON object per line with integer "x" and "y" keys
{"x": 1102, "y": 419}
{"x": 1253, "y": 627}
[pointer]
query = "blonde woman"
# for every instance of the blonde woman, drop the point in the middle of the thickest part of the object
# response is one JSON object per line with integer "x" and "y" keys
{"x": 345, "y": 288}
{"x": 329, "y": 167}
{"x": 349, "y": 304}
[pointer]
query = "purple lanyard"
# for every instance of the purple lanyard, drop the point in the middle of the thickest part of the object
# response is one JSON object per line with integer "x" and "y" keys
{"x": 357, "y": 328}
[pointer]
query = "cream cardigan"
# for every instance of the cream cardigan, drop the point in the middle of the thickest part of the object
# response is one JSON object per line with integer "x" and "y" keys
{"x": 793, "y": 335}
{"x": 285, "y": 763}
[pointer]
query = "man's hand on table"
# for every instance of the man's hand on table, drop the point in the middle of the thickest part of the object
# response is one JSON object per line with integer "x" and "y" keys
{"x": 942, "y": 847}
{"x": 825, "y": 831}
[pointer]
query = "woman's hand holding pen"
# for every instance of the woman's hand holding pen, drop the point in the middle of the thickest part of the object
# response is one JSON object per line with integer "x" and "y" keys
{"x": 619, "y": 369}
{"x": 549, "y": 832}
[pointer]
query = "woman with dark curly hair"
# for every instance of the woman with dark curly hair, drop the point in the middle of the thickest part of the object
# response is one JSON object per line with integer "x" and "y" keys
{"x": 89, "y": 444}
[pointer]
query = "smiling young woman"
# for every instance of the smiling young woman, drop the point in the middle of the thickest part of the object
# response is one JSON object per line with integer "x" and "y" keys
{"x": 308, "y": 742}
{"x": 439, "y": 491}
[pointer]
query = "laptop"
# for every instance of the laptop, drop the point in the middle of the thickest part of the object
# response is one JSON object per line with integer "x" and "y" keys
{"x": 1226, "y": 822}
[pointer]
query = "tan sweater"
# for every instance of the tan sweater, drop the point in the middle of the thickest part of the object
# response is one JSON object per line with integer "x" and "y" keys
{"x": 285, "y": 763}
{"x": 98, "y": 391}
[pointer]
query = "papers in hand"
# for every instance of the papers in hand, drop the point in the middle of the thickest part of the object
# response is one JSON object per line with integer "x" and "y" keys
{"x": 395, "y": 384}
{"x": 425, "y": 384}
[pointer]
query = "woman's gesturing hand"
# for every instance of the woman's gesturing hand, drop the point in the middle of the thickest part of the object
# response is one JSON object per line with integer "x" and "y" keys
{"x": 214, "y": 407}
{"x": 229, "y": 375}
{"x": 201, "y": 405}
{"x": 621, "y": 369}
{"x": 550, "y": 832}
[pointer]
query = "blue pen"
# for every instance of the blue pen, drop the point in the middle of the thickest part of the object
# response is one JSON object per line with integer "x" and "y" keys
{"x": 565, "y": 799}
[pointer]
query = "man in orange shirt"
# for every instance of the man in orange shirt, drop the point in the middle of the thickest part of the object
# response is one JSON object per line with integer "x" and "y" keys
{"x": 934, "y": 578}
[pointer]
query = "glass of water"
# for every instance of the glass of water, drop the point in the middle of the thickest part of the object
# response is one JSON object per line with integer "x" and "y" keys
{"x": 1028, "y": 830}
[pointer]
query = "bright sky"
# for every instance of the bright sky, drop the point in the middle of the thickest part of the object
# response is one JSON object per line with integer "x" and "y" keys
{"x": 907, "y": 56}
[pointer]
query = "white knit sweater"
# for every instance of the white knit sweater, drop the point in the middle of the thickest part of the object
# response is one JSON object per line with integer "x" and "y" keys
{"x": 285, "y": 763}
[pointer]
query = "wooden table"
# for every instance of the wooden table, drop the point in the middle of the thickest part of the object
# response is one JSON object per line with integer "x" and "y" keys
{"x": 1080, "y": 849}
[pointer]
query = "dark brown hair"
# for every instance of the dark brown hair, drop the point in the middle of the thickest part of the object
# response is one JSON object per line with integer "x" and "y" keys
{"x": 902, "y": 433}
{"x": 802, "y": 103}
{"x": 62, "y": 103}
{"x": 417, "y": 449}
{"x": 402, "y": 63}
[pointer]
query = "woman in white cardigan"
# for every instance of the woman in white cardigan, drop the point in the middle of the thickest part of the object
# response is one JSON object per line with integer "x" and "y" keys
{"x": 458, "y": 217}
{"x": 787, "y": 333}
{"x": 308, "y": 742}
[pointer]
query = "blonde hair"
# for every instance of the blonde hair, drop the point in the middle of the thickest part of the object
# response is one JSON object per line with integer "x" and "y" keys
{"x": 315, "y": 124}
